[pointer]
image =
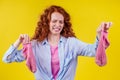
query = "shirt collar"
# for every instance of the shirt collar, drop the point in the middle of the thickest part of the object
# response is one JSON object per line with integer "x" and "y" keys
{"x": 62, "y": 40}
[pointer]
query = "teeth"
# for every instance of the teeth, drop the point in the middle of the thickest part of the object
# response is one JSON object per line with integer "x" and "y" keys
{"x": 56, "y": 29}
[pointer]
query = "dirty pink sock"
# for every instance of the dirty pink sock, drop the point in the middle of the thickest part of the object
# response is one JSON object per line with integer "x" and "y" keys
{"x": 101, "y": 58}
{"x": 29, "y": 56}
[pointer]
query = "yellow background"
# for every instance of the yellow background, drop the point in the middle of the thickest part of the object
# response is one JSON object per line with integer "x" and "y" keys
{"x": 21, "y": 16}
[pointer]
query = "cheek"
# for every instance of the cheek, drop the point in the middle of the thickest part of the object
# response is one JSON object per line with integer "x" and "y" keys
{"x": 50, "y": 25}
{"x": 62, "y": 25}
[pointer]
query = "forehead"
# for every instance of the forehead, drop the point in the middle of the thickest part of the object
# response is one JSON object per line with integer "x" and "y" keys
{"x": 57, "y": 15}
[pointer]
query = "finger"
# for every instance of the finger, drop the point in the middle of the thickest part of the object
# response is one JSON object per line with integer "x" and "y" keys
{"x": 108, "y": 25}
{"x": 28, "y": 40}
{"x": 24, "y": 38}
{"x": 21, "y": 38}
{"x": 99, "y": 29}
{"x": 102, "y": 26}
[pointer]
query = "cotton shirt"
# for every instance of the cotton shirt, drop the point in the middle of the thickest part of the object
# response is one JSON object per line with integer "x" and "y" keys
{"x": 68, "y": 50}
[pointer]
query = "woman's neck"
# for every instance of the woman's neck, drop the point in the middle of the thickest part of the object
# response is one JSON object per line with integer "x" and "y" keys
{"x": 53, "y": 39}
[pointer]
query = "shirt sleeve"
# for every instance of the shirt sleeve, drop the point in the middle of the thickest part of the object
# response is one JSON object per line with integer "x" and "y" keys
{"x": 85, "y": 49}
{"x": 13, "y": 55}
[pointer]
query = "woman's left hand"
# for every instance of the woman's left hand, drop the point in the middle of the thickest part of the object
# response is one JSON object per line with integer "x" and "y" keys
{"x": 103, "y": 26}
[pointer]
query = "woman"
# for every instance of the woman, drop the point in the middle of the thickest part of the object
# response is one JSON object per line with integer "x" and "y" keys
{"x": 54, "y": 45}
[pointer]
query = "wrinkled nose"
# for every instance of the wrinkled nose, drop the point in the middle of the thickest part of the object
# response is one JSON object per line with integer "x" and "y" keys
{"x": 57, "y": 24}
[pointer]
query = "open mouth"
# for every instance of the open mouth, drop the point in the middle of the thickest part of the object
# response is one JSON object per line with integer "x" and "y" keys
{"x": 56, "y": 29}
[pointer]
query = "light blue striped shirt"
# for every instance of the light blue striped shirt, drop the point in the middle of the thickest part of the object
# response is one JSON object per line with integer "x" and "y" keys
{"x": 68, "y": 50}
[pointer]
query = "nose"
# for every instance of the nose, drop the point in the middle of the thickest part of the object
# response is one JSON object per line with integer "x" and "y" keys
{"x": 57, "y": 23}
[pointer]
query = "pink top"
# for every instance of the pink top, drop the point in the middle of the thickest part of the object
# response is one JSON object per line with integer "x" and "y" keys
{"x": 55, "y": 66}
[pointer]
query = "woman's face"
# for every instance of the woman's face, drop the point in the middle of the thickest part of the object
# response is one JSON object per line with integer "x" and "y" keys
{"x": 56, "y": 23}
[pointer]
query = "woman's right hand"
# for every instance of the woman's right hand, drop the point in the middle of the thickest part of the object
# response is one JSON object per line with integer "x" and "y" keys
{"x": 104, "y": 26}
{"x": 23, "y": 38}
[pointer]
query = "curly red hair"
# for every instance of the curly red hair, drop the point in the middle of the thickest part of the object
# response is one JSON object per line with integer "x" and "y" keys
{"x": 42, "y": 29}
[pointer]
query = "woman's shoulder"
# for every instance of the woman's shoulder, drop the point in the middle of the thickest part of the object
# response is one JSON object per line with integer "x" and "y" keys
{"x": 71, "y": 40}
{"x": 68, "y": 38}
{"x": 34, "y": 42}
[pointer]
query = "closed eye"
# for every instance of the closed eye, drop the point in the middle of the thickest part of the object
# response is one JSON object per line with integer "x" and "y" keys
{"x": 61, "y": 22}
{"x": 54, "y": 21}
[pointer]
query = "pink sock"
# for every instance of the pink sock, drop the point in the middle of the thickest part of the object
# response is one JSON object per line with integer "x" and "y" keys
{"x": 29, "y": 56}
{"x": 101, "y": 58}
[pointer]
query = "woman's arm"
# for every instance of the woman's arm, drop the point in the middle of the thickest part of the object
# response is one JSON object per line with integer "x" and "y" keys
{"x": 14, "y": 55}
{"x": 86, "y": 49}
{"x": 81, "y": 48}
